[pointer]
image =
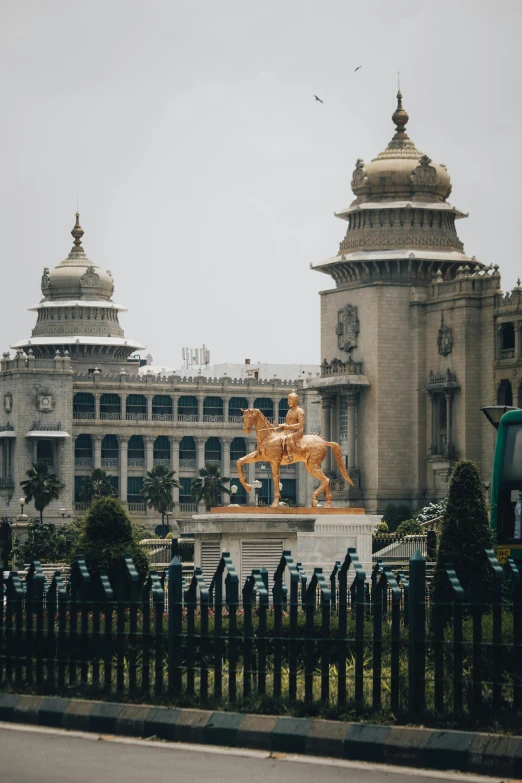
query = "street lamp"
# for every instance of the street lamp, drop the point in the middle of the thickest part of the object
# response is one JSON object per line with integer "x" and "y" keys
{"x": 257, "y": 485}
{"x": 22, "y": 504}
{"x": 494, "y": 413}
{"x": 233, "y": 490}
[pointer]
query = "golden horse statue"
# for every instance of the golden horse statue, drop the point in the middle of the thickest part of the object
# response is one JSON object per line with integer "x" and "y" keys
{"x": 310, "y": 449}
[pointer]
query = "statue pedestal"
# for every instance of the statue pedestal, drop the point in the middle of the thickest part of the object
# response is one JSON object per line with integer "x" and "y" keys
{"x": 256, "y": 537}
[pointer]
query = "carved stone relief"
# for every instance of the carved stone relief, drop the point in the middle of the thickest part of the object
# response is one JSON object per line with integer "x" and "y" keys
{"x": 347, "y": 328}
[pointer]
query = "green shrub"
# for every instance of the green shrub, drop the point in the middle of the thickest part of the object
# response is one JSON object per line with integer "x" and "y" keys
{"x": 394, "y": 515}
{"x": 108, "y": 535}
{"x": 464, "y": 534}
{"x": 47, "y": 543}
{"x": 382, "y": 528}
{"x": 410, "y": 527}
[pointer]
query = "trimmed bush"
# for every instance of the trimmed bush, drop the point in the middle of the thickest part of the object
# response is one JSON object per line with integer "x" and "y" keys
{"x": 464, "y": 534}
{"x": 410, "y": 527}
{"x": 382, "y": 528}
{"x": 108, "y": 535}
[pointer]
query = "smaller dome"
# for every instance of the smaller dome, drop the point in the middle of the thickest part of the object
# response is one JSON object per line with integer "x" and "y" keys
{"x": 77, "y": 277}
{"x": 400, "y": 172}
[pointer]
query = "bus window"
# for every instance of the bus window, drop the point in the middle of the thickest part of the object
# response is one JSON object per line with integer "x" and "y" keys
{"x": 512, "y": 463}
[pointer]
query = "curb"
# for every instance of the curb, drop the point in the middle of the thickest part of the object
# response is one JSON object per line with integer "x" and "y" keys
{"x": 485, "y": 754}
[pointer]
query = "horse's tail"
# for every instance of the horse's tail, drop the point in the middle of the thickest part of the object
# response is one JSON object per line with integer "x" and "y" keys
{"x": 339, "y": 459}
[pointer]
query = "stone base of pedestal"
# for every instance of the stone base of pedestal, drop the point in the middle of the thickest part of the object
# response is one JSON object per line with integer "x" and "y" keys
{"x": 257, "y": 540}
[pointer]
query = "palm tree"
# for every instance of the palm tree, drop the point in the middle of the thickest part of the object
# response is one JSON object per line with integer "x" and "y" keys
{"x": 208, "y": 488}
{"x": 157, "y": 489}
{"x": 97, "y": 485}
{"x": 41, "y": 486}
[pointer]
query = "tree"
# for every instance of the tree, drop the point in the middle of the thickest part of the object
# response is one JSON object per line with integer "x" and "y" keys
{"x": 157, "y": 489}
{"x": 41, "y": 486}
{"x": 46, "y": 543}
{"x": 464, "y": 534}
{"x": 208, "y": 488}
{"x": 96, "y": 485}
{"x": 108, "y": 535}
{"x": 394, "y": 515}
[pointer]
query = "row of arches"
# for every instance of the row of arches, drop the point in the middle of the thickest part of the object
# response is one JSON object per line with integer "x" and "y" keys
{"x": 84, "y": 407}
{"x": 506, "y": 394}
{"x": 110, "y": 450}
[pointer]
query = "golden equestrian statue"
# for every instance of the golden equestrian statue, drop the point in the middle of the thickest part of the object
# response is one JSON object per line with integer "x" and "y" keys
{"x": 283, "y": 444}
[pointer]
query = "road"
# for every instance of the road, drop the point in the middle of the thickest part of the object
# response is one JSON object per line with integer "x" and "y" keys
{"x": 32, "y": 755}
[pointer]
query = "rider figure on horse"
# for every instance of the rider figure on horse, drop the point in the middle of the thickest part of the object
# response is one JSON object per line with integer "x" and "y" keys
{"x": 294, "y": 426}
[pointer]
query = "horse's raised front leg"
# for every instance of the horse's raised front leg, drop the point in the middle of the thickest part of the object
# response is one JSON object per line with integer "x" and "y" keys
{"x": 317, "y": 473}
{"x": 276, "y": 467}
{"x": 252, "y": 457}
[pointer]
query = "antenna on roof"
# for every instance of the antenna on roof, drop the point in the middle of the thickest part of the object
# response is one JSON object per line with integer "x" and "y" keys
{"x": 399, "y": 80}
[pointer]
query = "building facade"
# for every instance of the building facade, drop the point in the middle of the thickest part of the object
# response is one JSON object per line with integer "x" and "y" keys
{"x": 416, "y": 336}
{"x": 73, "y": 397}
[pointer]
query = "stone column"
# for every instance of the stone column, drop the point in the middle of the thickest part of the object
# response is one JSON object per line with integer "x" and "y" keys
{"x": 149, "y": 452}
{"x": 149, "y": 407}
{"x": 97, "y": 396}
{"x": 431, "y": 430}
{"x": 174, "y": 464}
{"x": 275, "y": 403}
{"x": 326, "y": 431}
{"x": 449, "y": 428}
{"x": 250, "y": 472}
{"x": 225, "y": 447}
{"x": 124, "y": 442}
{"x": 351, "y": 403}
{"x": 200, "y": 407}
{"x": 57, "y": 451}
{"x": 97, "y": 450}
{"x": 123, "y": 398}
{"x": 174, "y": 407}
{"x": 226, "y": 401}
{"x": 200, "y": 452}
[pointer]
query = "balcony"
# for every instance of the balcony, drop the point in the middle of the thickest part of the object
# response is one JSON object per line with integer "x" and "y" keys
{"x": 162, "y": 417}
{"x": 110, "y": 416}
{"x": 136, "y": 416}
{"x": 507, "y": 353}
{"x": 187, "y": 464}
{"x": 83, "y": 415}
{"x": 136, "y": 462}
{"x": 161, "y": 461}
{"x": 83, "y": 462}
{"x": 81, "y": 506}
{"x": 235, "y": 418}
{"x": 137, "y": 506}
{"x": 188, "y": 507}
{"x": 209, "y": 418}
{"x": 7, "y": 481}
{"x": 187, "y": 417}
{"x": 45, "y": 461}
{"x": 110, "y": 462}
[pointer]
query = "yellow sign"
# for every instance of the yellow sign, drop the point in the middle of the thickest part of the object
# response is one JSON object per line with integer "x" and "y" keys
{"x": 503, "y": 554}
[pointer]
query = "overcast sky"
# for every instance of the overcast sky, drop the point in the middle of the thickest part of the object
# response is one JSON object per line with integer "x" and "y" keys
{"x": 206, "y": 172}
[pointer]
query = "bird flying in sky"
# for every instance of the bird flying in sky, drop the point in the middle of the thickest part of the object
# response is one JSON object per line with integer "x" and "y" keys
{"x": 359, "y": 66}
{"x": 318, "y": 99}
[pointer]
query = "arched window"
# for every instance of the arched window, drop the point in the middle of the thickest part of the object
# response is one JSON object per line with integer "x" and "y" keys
{"x": 136, "y": 407}
{"x": 212, "y": 409}
{"x": 83, "y": 406}
{"x": 136, "y": 452}
{"x": 83, "y": 451}
{"x": 110, "y": 406}
{"x": 187, "y": 452}
{"x": 238, "y": 449}
{"x": 162, "y": 408}
{"x": 283, "y": 409}
{"x": 265, "y": 406}
{"x": 110, "y": 452}
{"x": 234, "y": 408}
{"x": 187, "y": 409}
{"x": 505, "y": 393}
{"x": 185, "y": 485}
{"x": 134, "y": 487}
{"x": 45, "y": 452}
{"x": 162, "y": 451}
{"x": 213, "y": 451}
{"x": 507, "y": 339}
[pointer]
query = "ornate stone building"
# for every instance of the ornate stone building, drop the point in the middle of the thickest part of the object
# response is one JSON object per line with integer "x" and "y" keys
{"x": 72, "y": 396}
{"x": 416, "y": 335}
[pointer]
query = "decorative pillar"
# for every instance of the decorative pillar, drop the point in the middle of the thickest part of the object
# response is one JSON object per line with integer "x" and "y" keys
{"x": 124, "y": 442}
{"x": 275, "y": 403}
{"x": 351, "y": 403}
{"x": 225, "y": 446}
{"x": 226, "y": 401}
{"x": 200, "y": 408}
{"x": 449, "y": 428}
{"x": 251, "y": 472}
{"x": 174, "y": 465}
{"x": 97, "y": 405}
{"x": 200, "y": 452}
{"x": 149, "y": 407}
{"x": 123, "y": 398}
{"x": 174, "y": 408}
{"x": 149, "y": 452}
{"x": 326, "y": 427}
{"x": 97, "y": 450}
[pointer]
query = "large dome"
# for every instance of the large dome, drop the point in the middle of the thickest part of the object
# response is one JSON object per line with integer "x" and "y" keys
{"x": 77, "y": 277}
{"x": 401, "y": 172}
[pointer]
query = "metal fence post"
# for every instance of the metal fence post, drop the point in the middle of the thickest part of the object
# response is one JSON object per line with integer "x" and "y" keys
{"x": 417, "y": 635}
{"x": 175, "y": 624}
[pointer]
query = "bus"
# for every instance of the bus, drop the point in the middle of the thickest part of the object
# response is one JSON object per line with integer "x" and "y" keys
{"x": 506, "y": 488}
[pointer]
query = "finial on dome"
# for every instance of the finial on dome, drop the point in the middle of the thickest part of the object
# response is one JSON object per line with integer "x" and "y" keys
{"x": 400, "y": 118}
{"x": 77, "y": 233}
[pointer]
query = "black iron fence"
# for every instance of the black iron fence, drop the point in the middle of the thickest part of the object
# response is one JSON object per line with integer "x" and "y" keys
{"x": 366, "y": 645}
